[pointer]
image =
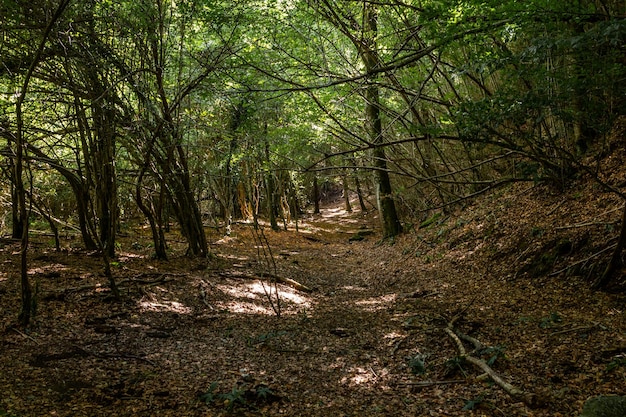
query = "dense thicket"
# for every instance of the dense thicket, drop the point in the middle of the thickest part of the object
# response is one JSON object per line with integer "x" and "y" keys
{"x": 205, "y": 111}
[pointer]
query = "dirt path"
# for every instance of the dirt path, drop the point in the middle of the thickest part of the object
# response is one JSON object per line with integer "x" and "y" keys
{"x": 200, "y": 339}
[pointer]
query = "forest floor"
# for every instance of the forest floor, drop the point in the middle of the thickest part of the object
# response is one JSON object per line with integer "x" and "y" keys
{"x": 204, "y": 338}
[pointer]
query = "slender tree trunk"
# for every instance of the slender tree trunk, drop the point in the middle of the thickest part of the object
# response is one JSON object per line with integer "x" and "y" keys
{"x": 316, "y": 195}
{"x": 20, "y": 146}
{"x": 272, "y": 205}
{"x": 346, "y": 192}
{"x": 359, "y": 193}
{"x": 17, "y": 227}
{"x": 390, "y": 222}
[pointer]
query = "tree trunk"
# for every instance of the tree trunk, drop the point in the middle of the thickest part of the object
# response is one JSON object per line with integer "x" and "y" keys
{"x": 316, "y": 195}
{"x": 390, "y": 222}
{"x": 20, "y": 146}
{"x": 346, "y": 192}
{"x": 272, "y": 205}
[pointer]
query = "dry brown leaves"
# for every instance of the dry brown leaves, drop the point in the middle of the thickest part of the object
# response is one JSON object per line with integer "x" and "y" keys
{"x": 197, "y": 339}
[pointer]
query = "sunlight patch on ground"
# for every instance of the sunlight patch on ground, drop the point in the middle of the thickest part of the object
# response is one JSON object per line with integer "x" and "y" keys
{"x": 47, "y": 269}
{"x": 359, "y": 376}
{"x": 337, "y": 212}
{"x": 239, "y": 291}
{"x": 235, "y": 257}
{"x": 256, "y": 290}
{"x": 377, "y": 303}
{"x": 243, "y": 307}
{"x": 125, "y": 256}
{"x": 161, "y": 306}
{"x": 352, "y": 288}
{"x": 224, "y": 240}
{"x": 393, "y": 335}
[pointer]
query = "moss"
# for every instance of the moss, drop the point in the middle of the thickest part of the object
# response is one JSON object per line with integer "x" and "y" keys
{"x": 605, "y": 406}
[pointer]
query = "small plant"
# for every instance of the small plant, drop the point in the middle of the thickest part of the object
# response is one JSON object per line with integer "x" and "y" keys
{"x": 417, "y": 364}
{"x": 239, "y": 396}
{"x": 456, "y": 364}
{"x": 496, "y": 352}
{"x": 617, "y": 362}
{"x": 473, "y": 404}
{"x": 233, "y": 398}
{"x": 209, "y": 396}
{"x": 551, "y": 320}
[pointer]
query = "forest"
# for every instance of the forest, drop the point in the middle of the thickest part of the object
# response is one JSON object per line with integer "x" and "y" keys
{"x": 313, "y": 207}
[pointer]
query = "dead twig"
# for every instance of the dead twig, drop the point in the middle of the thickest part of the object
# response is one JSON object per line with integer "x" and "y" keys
{"x": 608, "y": 248}
{"x": 24, "y": 335}
{"x": 513, "y": 391}
{"x": 576, "y": 329}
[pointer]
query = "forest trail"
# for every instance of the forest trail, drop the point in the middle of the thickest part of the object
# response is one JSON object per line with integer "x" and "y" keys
{"x": 193, "y": 338}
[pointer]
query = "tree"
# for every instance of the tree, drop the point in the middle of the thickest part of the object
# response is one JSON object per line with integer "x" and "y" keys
{"x": 19, "y": 155}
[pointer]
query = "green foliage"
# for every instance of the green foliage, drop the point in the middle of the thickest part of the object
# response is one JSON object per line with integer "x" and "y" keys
{"x": 430, "y": 221}
{"x": 239, "y": 396}
{"x": 417, "y": 364}
{"x": 494, "y": 353}
{"x": 473, "y": 404}
{"x": 210, "y": 394}
{"x": 234, "y": 398}
{"x": 551, "y": 320}
{"x": 456, "y": 364}
{"x": 616, "y": 362}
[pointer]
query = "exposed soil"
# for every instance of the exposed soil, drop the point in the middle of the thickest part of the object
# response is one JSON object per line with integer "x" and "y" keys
{"x": 201, "y": 338}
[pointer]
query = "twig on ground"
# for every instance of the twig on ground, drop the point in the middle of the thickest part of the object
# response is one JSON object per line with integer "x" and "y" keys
{"x": 24, "y": 335}
{"x": 576, "y": 329}
{"x": 513, "y": 391}
{"x": 608, "y": 248}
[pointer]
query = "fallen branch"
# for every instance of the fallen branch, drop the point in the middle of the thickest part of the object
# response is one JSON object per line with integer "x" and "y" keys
{"x": 513, "y": 391}
{"x": 24, "y": 335}
{"x": 576, "y": 329}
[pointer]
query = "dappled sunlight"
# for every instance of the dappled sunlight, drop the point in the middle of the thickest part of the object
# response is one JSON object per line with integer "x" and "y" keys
{"x": 239, "y": 291}
{"x": 337, "y": 212}
{"x": 165, "y": 306}
{"x": 47, "y": 269}
{"x": 225, "y": 240}
{"x": 352, "y": 288}
{"x": 244, "y": 307}
{"x": 393, "y": 335}
{"x": 239, "y": 261}
{"x": 252, "y": 298}
{"x": 359, "y": 376}
{"x": 377, "y": 303}
{"x": 126, "y": 256}
{"x": 257, "y": 289}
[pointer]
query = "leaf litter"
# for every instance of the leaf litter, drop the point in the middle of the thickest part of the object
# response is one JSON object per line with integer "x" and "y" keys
{"x": 197, "y": 338}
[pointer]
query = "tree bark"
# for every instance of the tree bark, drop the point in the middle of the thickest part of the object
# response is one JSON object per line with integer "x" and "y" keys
{"x": 390, "y": 222}
{"x": 20, "y": 147}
